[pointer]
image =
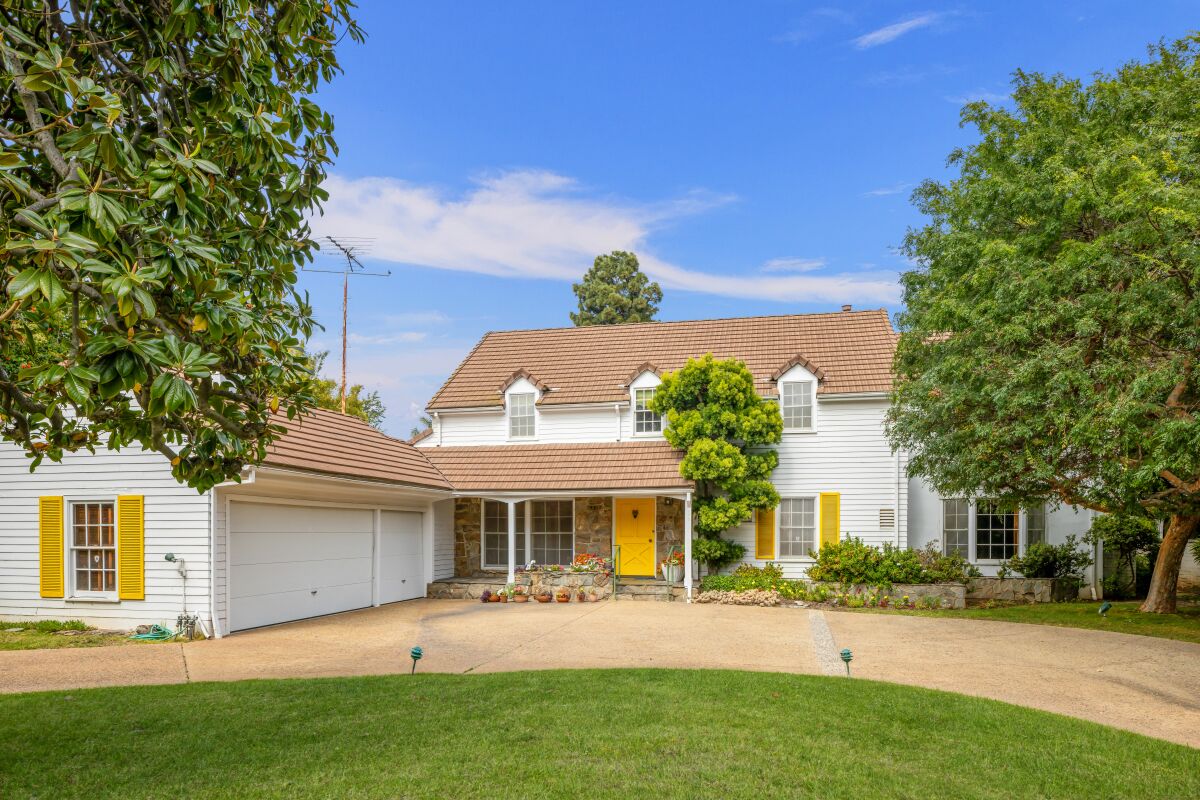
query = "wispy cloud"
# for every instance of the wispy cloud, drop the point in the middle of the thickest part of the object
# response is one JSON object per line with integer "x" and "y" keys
{"x": 794, "y": 264}
{"x": 976, "y": 95}
{"x": 890, "y": 33}
{"x": 538, "y": 224}
{"x": 886, "y": 191}
{"x": 907, "y": 75}
{"x": 813, "y": 24}
{"x": 396, "y": 337}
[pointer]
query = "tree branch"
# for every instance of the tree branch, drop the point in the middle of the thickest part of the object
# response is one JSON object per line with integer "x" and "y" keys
{"x": 34, "y": 116}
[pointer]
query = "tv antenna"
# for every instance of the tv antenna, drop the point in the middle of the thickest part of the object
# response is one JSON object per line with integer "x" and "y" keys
{"x": 349, "y": 248}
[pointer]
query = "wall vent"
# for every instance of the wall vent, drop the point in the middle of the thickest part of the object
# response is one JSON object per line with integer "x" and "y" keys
{"x": 887, "y": 517}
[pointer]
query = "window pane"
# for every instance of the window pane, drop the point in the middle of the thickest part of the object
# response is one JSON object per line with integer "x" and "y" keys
{"x": 795, "y": 402}
{"x": 495, "y": 534}
{"x": 520, "y": 415}
{"x": 1035, "y": 525}
{"x": 553, "y": 530}
{"x": 645, "y": 420}
{"x": 995, "y": 531}
{"x": 110, "y": 581}
{"x": 797, "y": 526}
{"x": 955, "y": 530}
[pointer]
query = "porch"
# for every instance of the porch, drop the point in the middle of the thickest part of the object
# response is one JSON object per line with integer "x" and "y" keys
{"x": 500, "y": 539}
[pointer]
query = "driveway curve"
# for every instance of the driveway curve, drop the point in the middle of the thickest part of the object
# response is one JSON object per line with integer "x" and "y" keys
{"x": 1142, "y": 684}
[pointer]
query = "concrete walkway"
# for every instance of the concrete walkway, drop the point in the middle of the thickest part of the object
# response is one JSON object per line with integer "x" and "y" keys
{"x": 1147, "y": 685}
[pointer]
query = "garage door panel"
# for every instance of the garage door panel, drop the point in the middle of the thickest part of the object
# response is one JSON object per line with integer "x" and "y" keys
{"x": 270, "y": 548}
{"x": 250, "y": 580}
{"x": 270, "y": 609}
{"x": 401, "y": 567}
{"x": 278, "y": 518}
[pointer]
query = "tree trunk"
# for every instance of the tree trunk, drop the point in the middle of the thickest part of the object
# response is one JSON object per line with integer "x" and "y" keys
{"x": 1160, "y": 599}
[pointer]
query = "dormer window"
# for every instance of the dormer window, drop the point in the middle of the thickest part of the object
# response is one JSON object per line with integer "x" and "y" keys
{"x": 796, "y": 404}
{"x": 644, "y": 419}
{"x": 521, "y": 416}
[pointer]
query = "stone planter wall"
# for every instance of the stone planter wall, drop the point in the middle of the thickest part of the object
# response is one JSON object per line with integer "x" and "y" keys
{"x": 1022, "y": 590}
{"x": 470, "y": 588}
{"x": 950, "y": 595}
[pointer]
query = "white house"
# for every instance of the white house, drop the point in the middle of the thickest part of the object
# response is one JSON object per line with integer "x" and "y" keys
{"x": 542, "y": 448}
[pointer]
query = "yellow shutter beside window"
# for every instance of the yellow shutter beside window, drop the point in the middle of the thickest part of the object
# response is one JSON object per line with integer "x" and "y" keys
{"x": 131, "y": 548}
{"x": 764, "y": 534}
{"x": 50, "y": 546}
{"x": 831, "y": 518}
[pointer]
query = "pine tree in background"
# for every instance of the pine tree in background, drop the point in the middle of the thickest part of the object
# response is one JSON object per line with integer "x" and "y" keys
{"x": 615, "y": 290}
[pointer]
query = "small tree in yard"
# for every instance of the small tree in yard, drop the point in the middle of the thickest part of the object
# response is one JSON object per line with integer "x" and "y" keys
{"x": 367, "y": 406}
{"x": 715, "y": 415}
{"x": 615, "y": 290}
{"x": 1126, "y": 538}
{"x": 1050, "y": 344}
{"x": 157, "y": 162}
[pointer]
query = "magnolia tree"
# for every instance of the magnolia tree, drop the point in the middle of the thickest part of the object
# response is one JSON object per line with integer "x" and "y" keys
{"x": 1050, "y": 339}
{"x": 715, "y": 415}
{"x": 157, "y": 162}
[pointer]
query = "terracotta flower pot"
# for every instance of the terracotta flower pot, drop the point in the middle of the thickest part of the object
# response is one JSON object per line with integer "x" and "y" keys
{"x": 503, "y": 598}
{"x": 542, "y": 598}
{"x": 495, "y": 598}
{"x": 563, "y": 598}
{"x": 520, "y": 598}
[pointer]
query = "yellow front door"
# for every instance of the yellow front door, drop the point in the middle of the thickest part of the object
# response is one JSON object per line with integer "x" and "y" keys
{"x": 633, "y": 532}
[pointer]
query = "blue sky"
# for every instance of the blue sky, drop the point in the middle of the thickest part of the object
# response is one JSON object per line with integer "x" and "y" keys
{"x": 757, "y": 156}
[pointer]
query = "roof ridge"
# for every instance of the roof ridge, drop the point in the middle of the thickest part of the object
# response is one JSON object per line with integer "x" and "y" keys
{"x": 657, "y": 322}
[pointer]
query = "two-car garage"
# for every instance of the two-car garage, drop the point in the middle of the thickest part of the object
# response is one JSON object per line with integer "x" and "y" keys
{"x": 339, "y": 517}
{"x": 289, "y": 562}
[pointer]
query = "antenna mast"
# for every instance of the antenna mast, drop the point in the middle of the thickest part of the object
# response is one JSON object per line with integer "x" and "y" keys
{"x": 350, "y": 248}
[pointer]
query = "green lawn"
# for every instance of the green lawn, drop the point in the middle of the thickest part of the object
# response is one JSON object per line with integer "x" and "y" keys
{"x": 1121, "y": 618}
{"x": 44, "y": 634}
{"x": 564, "y": 735}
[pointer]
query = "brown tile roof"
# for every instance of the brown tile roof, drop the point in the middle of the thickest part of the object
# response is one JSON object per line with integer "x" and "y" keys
{"x": 334, "y": 444}
{"x": 599, "y": 465}
{"x": 853, "y": 350}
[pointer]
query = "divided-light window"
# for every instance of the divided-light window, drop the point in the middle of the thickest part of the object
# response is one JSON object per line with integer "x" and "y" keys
{"x": 796, "y": 405}
{"x": 93, "y": 548}
{"x": 645, "y": 420}
{"x": 520, "y": 416}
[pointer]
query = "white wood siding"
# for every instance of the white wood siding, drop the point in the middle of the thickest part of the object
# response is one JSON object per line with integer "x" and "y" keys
{"x": 176, "y": 521}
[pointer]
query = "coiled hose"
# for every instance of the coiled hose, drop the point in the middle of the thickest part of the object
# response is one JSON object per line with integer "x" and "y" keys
{"x": 157, "y": 633}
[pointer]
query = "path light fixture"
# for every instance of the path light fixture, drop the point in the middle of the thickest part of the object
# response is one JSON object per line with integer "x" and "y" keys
{"x": 416, "y": 654}
{"x": 847, "y": 656}
{"x": 1104, "y": 607}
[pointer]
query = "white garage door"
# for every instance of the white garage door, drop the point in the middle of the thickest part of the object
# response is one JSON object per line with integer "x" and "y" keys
{"x": 293, "y": 562}
{"x": 400, "y": 564}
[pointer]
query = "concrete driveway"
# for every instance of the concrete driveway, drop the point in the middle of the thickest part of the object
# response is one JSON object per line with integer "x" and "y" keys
{"x": 1147, "y": 685}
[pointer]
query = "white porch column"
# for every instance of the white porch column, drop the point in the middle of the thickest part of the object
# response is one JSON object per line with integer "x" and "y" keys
{"x": 687, "y": 545}
{"x": 512, "y": 541}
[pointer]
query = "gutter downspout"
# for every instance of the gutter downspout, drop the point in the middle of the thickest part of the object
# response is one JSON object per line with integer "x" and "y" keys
{"x": 898, "y": 542}
{"x": 617, "y": 411}
{"x": 437, "y": 423}
{"x": 687, "y": 545}
{"x": 212, "y": 564}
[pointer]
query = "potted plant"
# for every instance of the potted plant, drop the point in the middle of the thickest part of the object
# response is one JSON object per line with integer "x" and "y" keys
{"x": 580, "y": 595}
{"x": 672, "y": 566}
{"x": 486, "y": 597}
{"x": 563, "y": 595}
{"x": 542, "y": 596}
{"x": 520, "y": 594}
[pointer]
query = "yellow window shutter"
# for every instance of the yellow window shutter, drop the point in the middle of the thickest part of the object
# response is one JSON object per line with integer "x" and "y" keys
{"x": 764, "y": 534}
{"x": 831, "y": 518}
{"x": 50, "y": 546}
{"x": 131, "y": 548}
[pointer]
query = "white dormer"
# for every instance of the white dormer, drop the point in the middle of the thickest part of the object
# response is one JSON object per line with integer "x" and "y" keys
{"x": 644, "y": 423}
{"x": 797, "y": 382}
{"x": 521, "y": 394}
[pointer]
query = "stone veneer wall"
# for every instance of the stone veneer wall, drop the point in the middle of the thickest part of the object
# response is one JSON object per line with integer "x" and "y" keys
{"x": 593, "y": 529}
{"x": 668, "y": 528}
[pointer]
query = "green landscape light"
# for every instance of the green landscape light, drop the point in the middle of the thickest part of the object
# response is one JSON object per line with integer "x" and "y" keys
{"x": 1104, "y": 607}
{"x": 416, "y": 654}
{"x": 847, "y": 656}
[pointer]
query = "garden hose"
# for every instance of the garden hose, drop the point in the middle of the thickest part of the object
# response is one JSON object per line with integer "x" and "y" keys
{"x": 157, "y": 633}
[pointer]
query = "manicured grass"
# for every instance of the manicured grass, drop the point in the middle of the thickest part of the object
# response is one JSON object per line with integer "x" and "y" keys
{"x": 1122, "y": 617}
{"x": 567, "y": 734}
{"x": 43, "y": 634}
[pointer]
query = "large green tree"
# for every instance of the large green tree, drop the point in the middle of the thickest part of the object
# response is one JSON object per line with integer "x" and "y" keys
{"x": 1050, "y": 336}
{"x": 615, "y": 290}
{"x": 715, "y": 415}
{"x": 157, "y": 163}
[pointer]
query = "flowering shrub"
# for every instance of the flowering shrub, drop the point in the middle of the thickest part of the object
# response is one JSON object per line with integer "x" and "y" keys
{"x": 590, "y": 562}
{"x": 674, "y": 558}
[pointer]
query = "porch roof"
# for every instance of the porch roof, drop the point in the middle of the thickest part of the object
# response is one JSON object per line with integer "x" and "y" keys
{"x": 558, "y": 467}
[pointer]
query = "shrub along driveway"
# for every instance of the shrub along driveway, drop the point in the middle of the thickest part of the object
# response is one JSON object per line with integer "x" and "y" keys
{"x": 1138, "y": 683}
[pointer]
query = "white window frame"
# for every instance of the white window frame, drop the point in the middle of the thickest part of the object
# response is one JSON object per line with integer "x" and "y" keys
{"x": 812, "y": 405}
{"x": 69, "y": 548}
{"x": 510, "y": 417}
{"x": 969, "y": 511}
{"x": 1040, "y": 507}
{"x": 524, "y": 531}
{"x": 645, "y": 410}
{"x": 816, "y": 527}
